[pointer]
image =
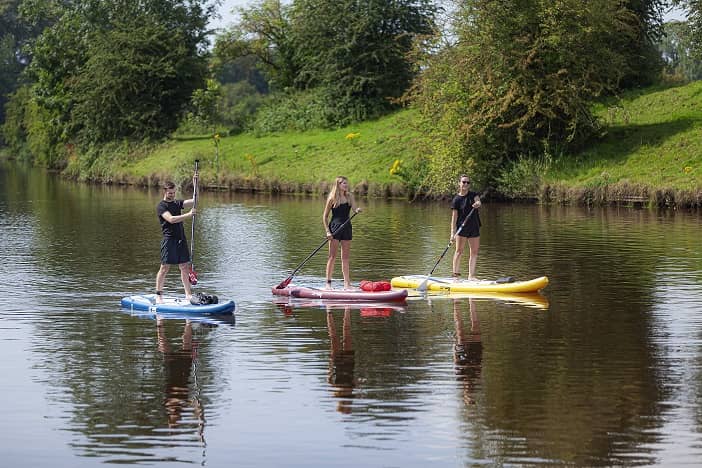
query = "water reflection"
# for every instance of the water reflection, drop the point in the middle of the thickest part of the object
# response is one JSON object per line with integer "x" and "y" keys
{"x": 135, "y": 384}
{"x": 534, "y": 300}
{"x": 287, "y": 305}
{"x": 342, "y": 360}
{"x": 178, "y": 369}
{"x": 468, "y": 350}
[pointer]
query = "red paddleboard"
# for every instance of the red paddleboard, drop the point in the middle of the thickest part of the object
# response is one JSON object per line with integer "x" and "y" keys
{"x": 396, "y": 295}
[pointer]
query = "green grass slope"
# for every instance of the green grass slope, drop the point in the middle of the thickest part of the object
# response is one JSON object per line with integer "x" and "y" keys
{"x": 651, "y": 151}
{"x": 287, "y": 162}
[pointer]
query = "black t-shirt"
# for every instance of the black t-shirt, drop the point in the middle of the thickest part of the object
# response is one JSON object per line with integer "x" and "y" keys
{"x": 463, "y": 204}
{"x": 171, "y": 230}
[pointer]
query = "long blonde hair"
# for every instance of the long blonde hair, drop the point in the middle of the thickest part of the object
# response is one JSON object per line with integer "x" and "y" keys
{"x": 334, "y": 195}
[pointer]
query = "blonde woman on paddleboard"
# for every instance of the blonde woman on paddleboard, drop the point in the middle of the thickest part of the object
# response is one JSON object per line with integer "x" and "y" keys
{"x": 339, "y": 204}
{"x": 465, "y": 204}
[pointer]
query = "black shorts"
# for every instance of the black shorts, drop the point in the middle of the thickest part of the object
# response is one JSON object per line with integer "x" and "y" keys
{"x": 346, "y": 233}
{"x": 470, "y": 231}
{"x": 174, "y": 251}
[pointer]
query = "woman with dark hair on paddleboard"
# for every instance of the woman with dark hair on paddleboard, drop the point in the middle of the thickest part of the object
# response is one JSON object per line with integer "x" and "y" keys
{"x": 465, "y": 204}
{"x": 339, "y": 204}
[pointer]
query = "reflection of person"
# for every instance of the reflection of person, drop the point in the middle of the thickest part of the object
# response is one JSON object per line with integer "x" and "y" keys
{"x": 339, "y": 203}
{"x": 174, "y": 245}
{"x": 468, "y": 350}
{"x": 178, "y": 369}
{"x": 462, "y": 205}
{"x": 341, "y": 361}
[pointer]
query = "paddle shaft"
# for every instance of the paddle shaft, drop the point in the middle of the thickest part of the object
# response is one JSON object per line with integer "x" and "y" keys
{"x": 286, "y": 281}
{"x": 192, "y": 230}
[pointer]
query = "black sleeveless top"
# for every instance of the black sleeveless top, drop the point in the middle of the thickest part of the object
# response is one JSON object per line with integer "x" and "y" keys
{"x": 339, "y": 216}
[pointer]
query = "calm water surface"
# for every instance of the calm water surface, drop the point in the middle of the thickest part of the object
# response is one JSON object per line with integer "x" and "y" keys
{"x": 604, "y": 368}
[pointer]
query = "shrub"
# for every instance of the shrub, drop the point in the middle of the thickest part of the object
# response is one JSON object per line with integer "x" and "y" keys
{"x": 240, "y": 102}
{"x": 522, "y": 178}
{"x": 306, "y": 110}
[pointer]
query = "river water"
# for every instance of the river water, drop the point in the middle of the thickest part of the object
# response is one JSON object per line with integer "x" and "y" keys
{"x": 603, "y": 368}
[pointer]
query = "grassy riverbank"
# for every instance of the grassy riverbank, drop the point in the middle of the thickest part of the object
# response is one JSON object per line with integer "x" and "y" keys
{"x": 285, "y": 162}
{"x": 651, "y": 154}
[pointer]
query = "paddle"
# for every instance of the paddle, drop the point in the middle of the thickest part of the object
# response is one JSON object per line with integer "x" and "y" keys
{"x": 423, "y": 285}
{"x": 287, "y": 280}
{"x": 192, "y": 274}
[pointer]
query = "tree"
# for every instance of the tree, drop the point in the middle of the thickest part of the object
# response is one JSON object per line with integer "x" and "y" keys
{"x": 644, "y": 62}
{"x": 264, "y": 32}
{"x": 676, "y": 48}
{"x": 241, "y": 69}
{"x": 359, "y": 50}
{"x": 10, "y": 68}
{"x": 693, "y": 10}
{"x": 519, "y": 81}
{"x": 349, "y": 56}
{"x": 15, "y": 33}
{"x": 134, "y": 83}
{"x": 113, "y": 69}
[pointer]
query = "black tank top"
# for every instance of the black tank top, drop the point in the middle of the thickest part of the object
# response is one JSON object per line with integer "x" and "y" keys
{"x": 340, "y": 213}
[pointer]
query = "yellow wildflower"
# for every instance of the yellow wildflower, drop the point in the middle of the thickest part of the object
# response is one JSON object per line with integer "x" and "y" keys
{"x": 395, "y": 167}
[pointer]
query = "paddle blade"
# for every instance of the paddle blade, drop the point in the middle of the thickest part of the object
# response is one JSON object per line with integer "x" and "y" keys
{"x": 192, "y": 276}
{"x": 284, "y": 284}
{"x": 423, "y": 285}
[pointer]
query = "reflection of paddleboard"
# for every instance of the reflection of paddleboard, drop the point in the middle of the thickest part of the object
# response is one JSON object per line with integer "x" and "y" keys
{"x": 453, "y": 285}
{"x": 533, "y": 299}
{"x": 171, "y": 304}
{"x": 292, "y": 303}
{"x": 397, "y": 295}
{"x": 206, "y": 319}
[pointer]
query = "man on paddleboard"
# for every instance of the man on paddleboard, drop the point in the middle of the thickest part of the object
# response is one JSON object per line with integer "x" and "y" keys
{"x": 174, "y": 245}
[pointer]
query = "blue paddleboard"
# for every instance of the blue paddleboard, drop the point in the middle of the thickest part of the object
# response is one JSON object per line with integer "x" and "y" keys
{"x": 173, "y": 304}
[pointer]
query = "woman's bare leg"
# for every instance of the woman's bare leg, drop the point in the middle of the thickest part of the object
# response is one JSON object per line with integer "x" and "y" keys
{"x": 333, "y": 247}
{"x": 474, "y": 246}
{"x": 345, "y": 262}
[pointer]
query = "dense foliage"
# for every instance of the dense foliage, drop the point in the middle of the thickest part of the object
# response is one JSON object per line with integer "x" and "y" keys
{"x": 265, "y": 34}
{"x": 639, "y": 48}
{"x": 693, "y": 10}
{"x": 509, "y": 85}
{"x": 358, "y": 50}
{"x": 110, "y": 70}
{"x": 15, "y": 33}
{"x": 343, "y": 59}
{"x": 519, "y": 81}
{"x": 675, "y": 47}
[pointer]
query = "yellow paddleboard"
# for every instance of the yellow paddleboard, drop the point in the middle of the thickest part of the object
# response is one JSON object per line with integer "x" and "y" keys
{"x": 434, "y": 283}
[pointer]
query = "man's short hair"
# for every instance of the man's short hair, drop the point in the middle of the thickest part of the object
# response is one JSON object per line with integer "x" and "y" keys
{"x": 168, "y": 185}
